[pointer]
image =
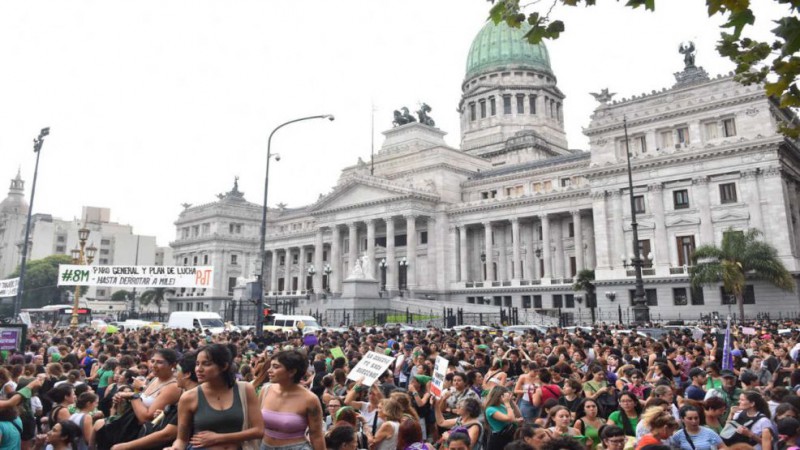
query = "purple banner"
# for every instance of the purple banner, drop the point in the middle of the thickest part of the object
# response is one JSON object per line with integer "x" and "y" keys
{"x": 9, "y": 339}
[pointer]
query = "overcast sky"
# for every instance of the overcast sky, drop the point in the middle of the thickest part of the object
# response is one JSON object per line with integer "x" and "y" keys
{"x": 155, "y": 103}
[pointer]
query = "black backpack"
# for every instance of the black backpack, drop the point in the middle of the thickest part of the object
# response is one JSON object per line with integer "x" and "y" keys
{"x": 124, "y": 428}
{"x": 739, "y": 438}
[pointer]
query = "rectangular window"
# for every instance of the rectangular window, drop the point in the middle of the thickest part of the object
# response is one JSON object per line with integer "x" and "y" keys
{"x": 497, "y": 300}
{"x": 730, "y": 299}
{"x": 532, "y": 104}
{"x": 400, "y": 240}
{"x": 558, "y": 301}
{"x": 282, "y": 260}
{"x": 565, "y": 182}
{"x": 571, "y": 229}
{"x": 697, "y": 296}
{"x": 526, "y": 301}
{"x": 506, "y": 104}
{"x": 309, "y": 257}
{"x": 423, "y": 237}
{"x": 62, "y": 249}
{"x": 205, "y": 259}
{"x": 728, "y": 127}
{"x": 573, "y": 266}
{"x": 679, "y": 297}
{"x": 727, "y": 193}
{"x": 103, "y": 261}
{"x": 206, "y": 228}
{"x": 711, "y": 130}
{"x": 680, "y": 198}
{"x": 234, "y": 260}
{"x": 650, "y": 294}
{"x": 638, "y": 204}
{"x": 483, "y": 109}
{"x": 104, "y": 251}
{"x": 325, "y": 255}
{"x": 683, "y": 135}
{"x": 641, "y": 143}
{"x": 666, "y": 139}
{"x": 520, "y": 104}
{"x": 548, "y": 186}
{"x": 189, "y": 306}
{"x": 61, "y": 239}
{"x": 537, "y": 188}
{"x": 380, "y": 241}
{"x": 569, "y": 300}
{"x": 199, "y": 306}
{"x": 472, "y": 111}
{"x": 471, "y": 300}
{"x": 231, "y": 285}
{"x": 685, "y": 250}
{"x": 492, "y": 106}
{"x": 295, "y": 258}
{"x": 507, "y": 301}
{"x": 537, "y": 301}
{"x": 108, "y": 242}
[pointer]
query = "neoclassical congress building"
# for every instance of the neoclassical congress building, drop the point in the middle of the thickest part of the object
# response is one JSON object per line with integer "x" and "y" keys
{"x": 511, "y": 216}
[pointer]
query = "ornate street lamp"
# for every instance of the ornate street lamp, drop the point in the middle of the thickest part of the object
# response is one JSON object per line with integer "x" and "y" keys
{"x": 404, "y": 274}
{"x": 641, "y": 312}
{"x": 263, "y": 248}
{"x": 327, "y": 271}
{"x": 81, "y": 256}
{"x": 311, "y": 272}
{"x": 382, "y": 266}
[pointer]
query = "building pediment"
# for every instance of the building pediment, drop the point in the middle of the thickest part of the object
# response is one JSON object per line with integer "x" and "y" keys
{"x": 363, "y": 190}
{"x": 677, "y": 221}
{"x": 729, "y": 216}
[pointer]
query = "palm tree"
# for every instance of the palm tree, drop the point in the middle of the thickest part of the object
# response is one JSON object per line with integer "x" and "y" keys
{"x": 584, "y": 281}
{"x": 742, "y": 255}
{"x": 155, "y": 296}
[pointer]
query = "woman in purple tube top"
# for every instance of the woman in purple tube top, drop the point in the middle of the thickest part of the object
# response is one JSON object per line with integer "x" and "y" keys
{"x": 290, "y": 410}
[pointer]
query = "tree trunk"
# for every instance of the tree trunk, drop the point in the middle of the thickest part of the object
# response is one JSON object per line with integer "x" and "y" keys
{"x": 740, "y": 304}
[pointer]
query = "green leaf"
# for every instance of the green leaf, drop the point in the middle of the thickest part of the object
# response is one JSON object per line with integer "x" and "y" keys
{"x": 649, "y": 5}
{"x": 714, "y": 7}
{"x": 789, "y": 29}
{"x": 738, "y": 20}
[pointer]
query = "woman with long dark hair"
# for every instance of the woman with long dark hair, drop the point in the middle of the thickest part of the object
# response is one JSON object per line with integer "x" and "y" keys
{"x": 753, "y": 419}
{"x": 213, "y": 415}
{"x": 694, "y": 436}
{"x": 162, "y": 390}
{"x": 63, "y": 436}
{"x": 588, "y": 422}
{"x": 501, "y": 412}
{"x": 288, "y": 409}
{"x": 627, "y": 416}
{"x": 166, "y": 429}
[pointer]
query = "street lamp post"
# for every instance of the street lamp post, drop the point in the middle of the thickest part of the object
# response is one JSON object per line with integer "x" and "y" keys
{"x": 82, "y": 256}
{"x": 327, "y": 271}
{"x": 37, "y": 147}
{"x": 382, "y": 265}
{"x": 311, "y": 272}
{"x": 641, "y": 312}
{"x": 263, "y": 248}
{"x": 404, "y": 273}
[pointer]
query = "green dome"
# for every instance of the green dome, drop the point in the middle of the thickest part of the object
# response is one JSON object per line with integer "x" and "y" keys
{"x": 500, "y": 47}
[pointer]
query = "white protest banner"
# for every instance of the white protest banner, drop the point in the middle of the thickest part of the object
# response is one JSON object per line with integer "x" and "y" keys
{"x": 748, "y": 331}
{"x": 371, "y": 366}
{"x": 439, "y": 372}
{"x": 8, "y": 288}
{"x": 136, "y": 276}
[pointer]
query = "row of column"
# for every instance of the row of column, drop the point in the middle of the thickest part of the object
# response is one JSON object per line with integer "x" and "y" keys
{"x": 336, "y": 261}
{"x": 615, "y": 243}
{"x": 549, "y": 255}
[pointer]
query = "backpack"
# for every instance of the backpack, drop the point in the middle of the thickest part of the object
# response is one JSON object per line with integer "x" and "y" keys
{"x": 738, "y": 438}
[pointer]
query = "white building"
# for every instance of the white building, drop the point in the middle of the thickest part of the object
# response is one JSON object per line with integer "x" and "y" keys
{"x": 116, "y": 243}
{"x": 513, "y": 215}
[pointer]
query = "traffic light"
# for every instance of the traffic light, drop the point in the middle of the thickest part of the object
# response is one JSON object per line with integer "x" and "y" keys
{"x": 268, "y": 316}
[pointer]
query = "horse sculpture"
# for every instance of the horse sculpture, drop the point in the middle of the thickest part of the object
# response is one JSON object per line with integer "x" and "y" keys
{"x": 402, "y": 118}
{"x": 424, "y": 118}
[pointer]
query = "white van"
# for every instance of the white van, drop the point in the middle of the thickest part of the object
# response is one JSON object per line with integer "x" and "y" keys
{"x": 289, "y": 323}
{"x": 196, "y": 320}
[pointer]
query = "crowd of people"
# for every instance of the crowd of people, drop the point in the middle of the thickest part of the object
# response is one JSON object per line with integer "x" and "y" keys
{"x": 576, "y": 389}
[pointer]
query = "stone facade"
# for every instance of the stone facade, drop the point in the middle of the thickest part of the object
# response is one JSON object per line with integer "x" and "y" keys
{"x": 514, "y": 215}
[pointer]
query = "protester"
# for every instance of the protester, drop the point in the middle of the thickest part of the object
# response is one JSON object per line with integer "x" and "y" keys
{"x": 214, "y": 413}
